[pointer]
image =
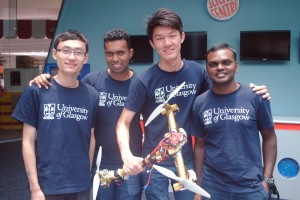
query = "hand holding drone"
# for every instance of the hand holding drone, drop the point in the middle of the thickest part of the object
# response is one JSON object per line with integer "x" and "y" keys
{"x": 186, "y": 177}
{"x": 170, "y": 146}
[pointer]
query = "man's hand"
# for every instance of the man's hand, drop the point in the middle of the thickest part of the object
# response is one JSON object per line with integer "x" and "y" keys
{"x": 266, "y": 186}
{"x": 37, "y": 195}
{"x": 197, "y": 197}
{"x": 133, "y": 165}
{"x": 41, "y": 81}
{"x": 262, "y": 89}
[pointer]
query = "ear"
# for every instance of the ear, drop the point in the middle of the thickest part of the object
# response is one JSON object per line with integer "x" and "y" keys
{"x": 151, "y": 43}
{"x": 86, "y": 58}
{"x": 131, "y": 52}
{"x": 54, "y": 54}
{"x": 237, "y": 67}
{"x": 182, "y": 37}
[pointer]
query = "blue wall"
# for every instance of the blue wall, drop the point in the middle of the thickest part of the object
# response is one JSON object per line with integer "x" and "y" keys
{"x": 95, "y": 17}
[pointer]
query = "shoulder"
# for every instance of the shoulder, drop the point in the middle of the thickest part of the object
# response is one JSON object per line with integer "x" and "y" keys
{"x": 90, "y": 89}
{"x": 151, "y": 70}
{"x": 194, "y": 69}
{"x": 246, "y": 94}
{"x": 93, "y": 77}
{"x": 33, "y": 89}
{"x": 146, "y": 76}
{"x": 193, "y": 64}
{"x": 246, "y": 90}
{"x": 203, "y": 96}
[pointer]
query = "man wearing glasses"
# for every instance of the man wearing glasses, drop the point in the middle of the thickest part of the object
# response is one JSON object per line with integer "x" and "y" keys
{"x": 59, "y": 126}
{"x": 113, "y": 85}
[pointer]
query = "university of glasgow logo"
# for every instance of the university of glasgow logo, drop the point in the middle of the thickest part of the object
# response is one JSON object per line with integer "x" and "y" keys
{"x": 49, "y": 111}
{"x": 159, "y": 95}
{"x": 207, "y": 116}
{"x": 102, "y": 98}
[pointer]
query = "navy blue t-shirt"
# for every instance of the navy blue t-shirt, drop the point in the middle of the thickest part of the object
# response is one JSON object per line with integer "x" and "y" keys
{"x": 152, "y": 87}
{"x": 112, "y": 97}
{"x": 230, "y": 126}
{"x": 63, "y": 118}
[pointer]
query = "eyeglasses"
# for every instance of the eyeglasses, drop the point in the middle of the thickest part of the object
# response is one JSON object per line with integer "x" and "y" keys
{"x": 68, "y": 52}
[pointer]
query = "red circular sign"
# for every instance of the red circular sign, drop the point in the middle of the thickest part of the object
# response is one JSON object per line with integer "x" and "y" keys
{"x": 222, "y": 9}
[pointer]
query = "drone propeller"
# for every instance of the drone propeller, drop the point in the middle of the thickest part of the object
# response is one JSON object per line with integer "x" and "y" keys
{"x": 96, "y": 180}
{"x": 187, "y": 183}
{"x": 158, "y": 109}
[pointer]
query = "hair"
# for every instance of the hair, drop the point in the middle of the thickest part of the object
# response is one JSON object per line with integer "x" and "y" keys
{"x": 71, "y": 35}
{"x": 163, "y": 17}
{"x": 117, "y": 34}
{"x": 221, "y": 46}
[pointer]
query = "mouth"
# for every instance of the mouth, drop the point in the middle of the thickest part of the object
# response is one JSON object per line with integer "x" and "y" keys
{"x": 71, "y": 65}
{"x": 220, "y": 75}
{"x": 116, "y": 65}
{"x": 169, "y": 51}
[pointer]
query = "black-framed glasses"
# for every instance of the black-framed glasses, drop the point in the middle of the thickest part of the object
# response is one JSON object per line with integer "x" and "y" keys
{"x": 68, "y": 52}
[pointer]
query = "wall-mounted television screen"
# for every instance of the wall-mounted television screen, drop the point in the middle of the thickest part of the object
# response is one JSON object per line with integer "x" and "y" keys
{"x": 194, "y": 46}
{"x": 265, "y": 45}
{"x": 143, "y": 52}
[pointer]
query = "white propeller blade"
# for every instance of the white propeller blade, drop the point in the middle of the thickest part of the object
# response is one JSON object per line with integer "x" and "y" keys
{"x": 168, "y": 173}
{"x": 174, "y": 92}
{"x": 154, "y": 114}
{"x": 187, "y": 183}
{"x": 158, "y": 109}
{"x": 194, "y": 188}
{"x": 96, "y": 180}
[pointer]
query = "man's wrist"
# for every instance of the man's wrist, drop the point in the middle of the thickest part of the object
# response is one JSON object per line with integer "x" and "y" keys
{"x": 269, "y": 180}
{"x": 35, "y": 189}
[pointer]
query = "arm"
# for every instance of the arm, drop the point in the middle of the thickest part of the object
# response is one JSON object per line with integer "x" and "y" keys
{"x": 28, "y": 150}
{"x": 269, "y": 148}
{"x": 92, "y": 147}
{"x": 198, "y": 158}
{"x": 262, "y": 89}
{"x": 41, "y": 80}
{"x": 132, "y": 164}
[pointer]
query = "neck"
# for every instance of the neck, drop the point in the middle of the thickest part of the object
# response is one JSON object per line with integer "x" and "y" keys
{"x": 122, "y": 76}
{"x": 225, "y": 89}
{"x": 172, "y": 66}
{"x": 66, "y": 81}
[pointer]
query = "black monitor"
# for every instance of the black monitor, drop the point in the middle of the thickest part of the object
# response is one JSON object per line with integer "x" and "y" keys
{"x": 194, "y": 46}
{"x": 265, "y": 45}
{"x": 143, "y": 52}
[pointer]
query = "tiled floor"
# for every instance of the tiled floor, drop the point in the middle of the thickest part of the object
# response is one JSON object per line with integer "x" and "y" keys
{"x": 13, "y": 180}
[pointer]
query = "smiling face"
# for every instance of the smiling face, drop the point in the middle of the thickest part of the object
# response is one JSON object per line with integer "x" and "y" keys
{"x": 117, "y": 56}
{"x": 167, "y": 42}
{"x": 70, "y": 56}
{"x": 221, "y": 67}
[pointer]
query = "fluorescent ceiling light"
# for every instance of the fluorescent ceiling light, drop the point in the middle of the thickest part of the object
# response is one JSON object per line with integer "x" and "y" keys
{"x": 33, "y": 54}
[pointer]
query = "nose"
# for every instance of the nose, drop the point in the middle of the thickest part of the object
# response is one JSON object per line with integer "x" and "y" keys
{"x": 167, "y": 41}
{"x": 115, "y": 57}
{"x": 220, "y": 66}
{"x": 72, "y": 54}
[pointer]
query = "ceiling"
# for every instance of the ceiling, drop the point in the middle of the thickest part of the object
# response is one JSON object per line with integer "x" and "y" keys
{"x": 29, "y": 10}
